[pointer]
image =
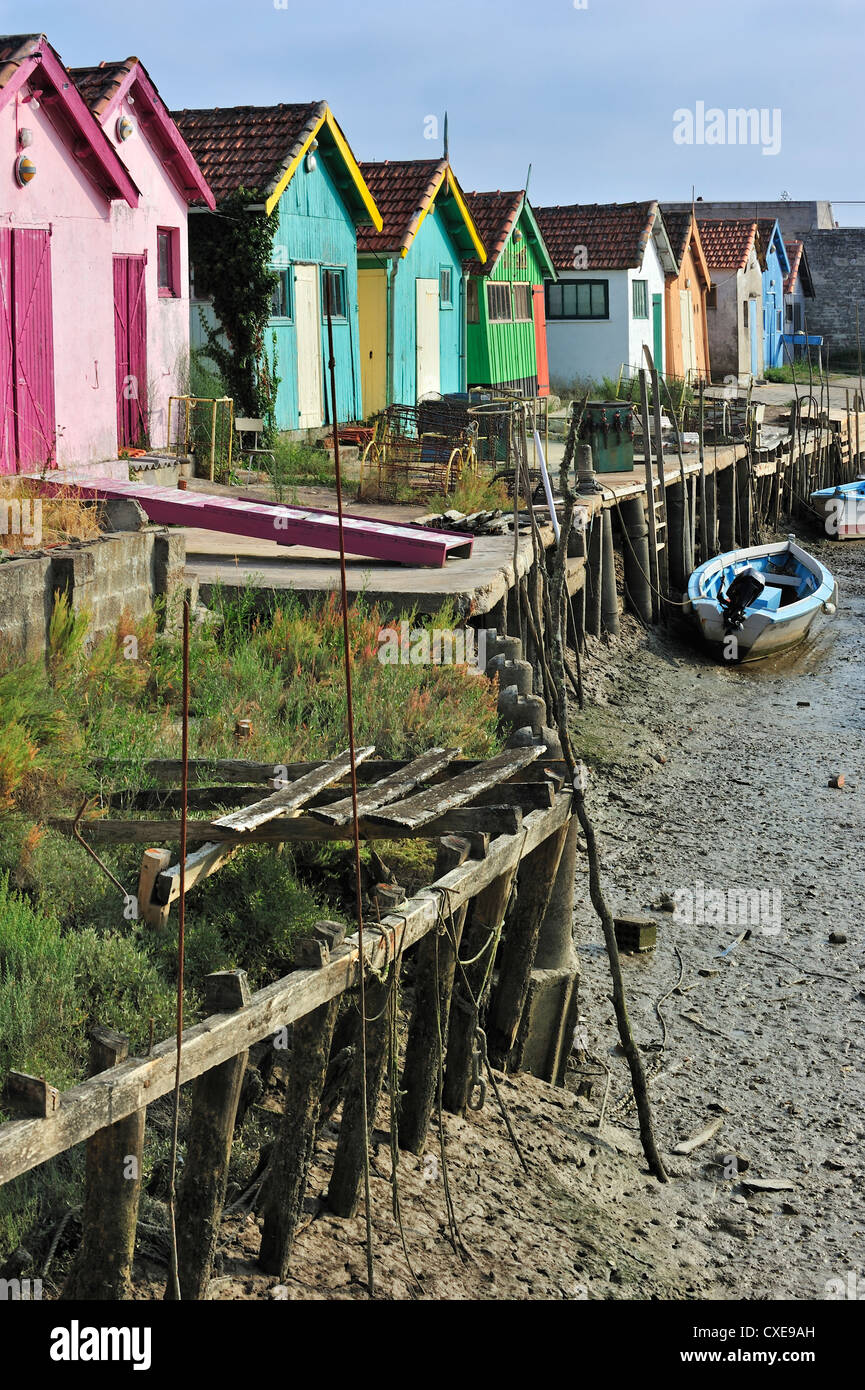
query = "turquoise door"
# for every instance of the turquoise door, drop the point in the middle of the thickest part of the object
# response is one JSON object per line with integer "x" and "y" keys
{"x": 752, "y": 330}
{"x": 658, "y": 331}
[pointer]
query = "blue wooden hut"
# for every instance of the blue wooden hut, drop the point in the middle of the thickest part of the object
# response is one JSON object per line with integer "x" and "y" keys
{"x": 294, "y": 161}
{"x": 776, "y": 267}
{"x": 412, "y": 283}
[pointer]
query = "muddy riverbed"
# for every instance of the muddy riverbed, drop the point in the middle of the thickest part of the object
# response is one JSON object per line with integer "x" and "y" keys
{"x": 703, "y": 779}
{"x": 708, "y": 780}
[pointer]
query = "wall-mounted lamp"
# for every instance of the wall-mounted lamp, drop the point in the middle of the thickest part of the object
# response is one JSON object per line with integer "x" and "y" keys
{"x": 25, "y": 169}
{"x": 311, "y": 161}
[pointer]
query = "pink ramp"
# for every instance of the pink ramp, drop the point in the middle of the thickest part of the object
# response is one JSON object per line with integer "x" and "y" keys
{"x": 309, "y": 526}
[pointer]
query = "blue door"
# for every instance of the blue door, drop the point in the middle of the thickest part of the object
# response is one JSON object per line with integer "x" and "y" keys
{"x": 752, "y": 331}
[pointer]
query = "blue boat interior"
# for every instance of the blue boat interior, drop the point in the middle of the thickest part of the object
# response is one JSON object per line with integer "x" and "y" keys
{"x": 787, "y": 581}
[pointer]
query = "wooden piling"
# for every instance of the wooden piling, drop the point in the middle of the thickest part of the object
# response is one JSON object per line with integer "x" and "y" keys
{"x": 102, "y": 1269}
{"x": 292, "y": 1151}
{"x": 726, "y": 484}
{"x": 348, "y": 1164}
{"x": 594, "y": 580}
{"x": 609, "y": 596}
{"x": 635, "y": 557}
{"x": 201, "y": 1195}
{"x": 537, "y": 875}
{"x": 433, "y": 989}
{"x": 486, "y": 917}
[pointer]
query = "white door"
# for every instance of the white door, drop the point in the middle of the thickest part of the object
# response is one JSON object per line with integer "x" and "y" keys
{"x": 689, "y": 352}
{"x": 307, "y": 318}
{"x": 428, "y": 374}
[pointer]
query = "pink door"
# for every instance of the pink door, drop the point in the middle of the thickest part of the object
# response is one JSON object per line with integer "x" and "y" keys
{"x": 130, "y": 344}
{"x": 33, "y": 337}
{"x": 27, "y": 426}
{"x": 7, "y": 397}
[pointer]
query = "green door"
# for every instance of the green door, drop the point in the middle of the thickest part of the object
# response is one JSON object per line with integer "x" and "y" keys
{"x": 658, "y": 332}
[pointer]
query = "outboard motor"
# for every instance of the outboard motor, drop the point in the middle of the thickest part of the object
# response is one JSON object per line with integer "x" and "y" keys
{"x": 747, "y": 585}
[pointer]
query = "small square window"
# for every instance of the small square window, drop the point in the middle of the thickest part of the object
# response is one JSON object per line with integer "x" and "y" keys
{"x": 168, "y": 262}
{"x": 335, "y": 281}
{"x": 446, "y": 299}
{"x": 280, "y": 299}
{"x": 522, "y": 302}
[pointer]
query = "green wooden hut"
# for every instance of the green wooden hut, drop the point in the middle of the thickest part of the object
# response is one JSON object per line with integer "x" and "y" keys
{"x": 506, "y": 329}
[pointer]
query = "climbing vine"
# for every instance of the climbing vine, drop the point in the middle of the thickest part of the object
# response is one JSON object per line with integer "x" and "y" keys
{"x": 232, "y": 251}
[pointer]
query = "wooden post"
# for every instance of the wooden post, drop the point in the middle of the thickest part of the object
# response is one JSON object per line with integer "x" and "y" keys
{"x": 486, "y": 917}
{"x": 215, "y": 1094}
{"x": 432, "y": 1001}
{"x": 153, "y": 861}
{"x": 348, "y": 1163}
{"x": 536, "y": 878}
{"x": 292, "y": 1152}
{"x": 103, "y": 1266}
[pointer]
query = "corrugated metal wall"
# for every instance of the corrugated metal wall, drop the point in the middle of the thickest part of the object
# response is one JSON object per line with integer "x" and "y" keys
{"x": 499, "y": 353}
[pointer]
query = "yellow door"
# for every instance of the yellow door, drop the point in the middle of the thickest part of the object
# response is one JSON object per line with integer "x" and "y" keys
{"x": 372, "y": 333}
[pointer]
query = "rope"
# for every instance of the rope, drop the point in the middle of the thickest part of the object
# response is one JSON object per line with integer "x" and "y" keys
{"x": 181, "y": 932}
{"x": 353, "y": 762}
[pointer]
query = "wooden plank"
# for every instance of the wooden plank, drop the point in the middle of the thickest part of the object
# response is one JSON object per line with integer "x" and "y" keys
{"x": 456, "y": 791}
{"x": 296, "y": 794}
{"x": 234, "y": 771}
{"x": 460, "y": 820}
{"x": 389, "y": 788}
{"x": 212, "y": 856}
{"x": 105, "y": 1099}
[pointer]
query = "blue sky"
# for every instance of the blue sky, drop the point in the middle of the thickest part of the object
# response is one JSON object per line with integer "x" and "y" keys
{"x": 586, "y": 95}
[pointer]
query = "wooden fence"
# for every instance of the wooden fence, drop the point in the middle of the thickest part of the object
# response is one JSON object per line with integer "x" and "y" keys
{"x": 475, "y": 874}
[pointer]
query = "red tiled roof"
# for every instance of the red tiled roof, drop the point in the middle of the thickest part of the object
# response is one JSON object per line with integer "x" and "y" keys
{"x": 403, "y": 190}
{"x": 98, "y": 84}
{"x": 678, "y": 225}
{"x": 15, "y": 49}
{"x": 794, "y": 255}
{"x": 615, "y": 235}
{"x": 247, "y": 146}
{"x": 727, "y": 241}
{"x": 494, "y": 215}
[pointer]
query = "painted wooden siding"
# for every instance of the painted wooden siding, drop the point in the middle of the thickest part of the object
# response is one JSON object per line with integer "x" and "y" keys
{"x": 431, "y": 249}
{"x": 314, "y": 227}
{"x": 500, "y": 353}
{"x": 674, "y": 346}
{"x": 773, "y": 306}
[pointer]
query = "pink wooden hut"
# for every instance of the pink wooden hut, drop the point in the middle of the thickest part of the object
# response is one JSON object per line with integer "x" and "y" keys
{"x": 94, "y": 304}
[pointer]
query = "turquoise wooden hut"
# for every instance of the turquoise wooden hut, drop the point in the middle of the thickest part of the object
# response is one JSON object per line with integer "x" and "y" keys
{"x": 412, "y": 283}
{"x": 294, "y": 162}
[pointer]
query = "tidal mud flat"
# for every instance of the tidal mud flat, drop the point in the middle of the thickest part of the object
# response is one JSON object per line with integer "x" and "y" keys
{"x": 711, "y": 795}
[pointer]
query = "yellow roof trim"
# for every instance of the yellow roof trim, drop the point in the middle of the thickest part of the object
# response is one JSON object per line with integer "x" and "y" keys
{"x": 348, "y": 158}
{"x": 454, "y": 189}
{"x": 354, "y": 169}
{"x": 293, "y": 167}
{"x": 416, "y": 228}
{"x": 467, "y": 217}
